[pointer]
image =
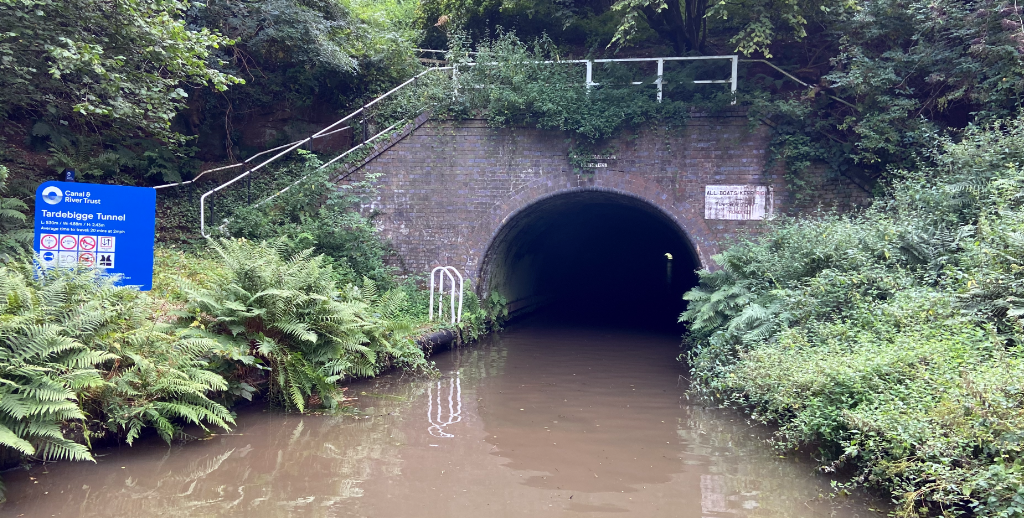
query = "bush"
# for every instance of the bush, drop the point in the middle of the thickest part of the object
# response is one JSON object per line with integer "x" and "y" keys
{"x": 890, "y": 340}
{"x": 286, "y": 315}
{"x": 520, "y": 84}
{"x": 77, "y": 351}
{"x": 315, "y": 213}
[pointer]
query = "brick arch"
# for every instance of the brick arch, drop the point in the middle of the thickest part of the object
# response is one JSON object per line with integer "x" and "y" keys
{"x": 521, "y": 219}
{"x": 445, "y": 189}
{"x": 640, "y": 193}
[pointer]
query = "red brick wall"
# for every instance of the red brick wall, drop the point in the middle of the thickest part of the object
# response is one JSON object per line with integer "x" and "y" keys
{"x": 447, "y": 187}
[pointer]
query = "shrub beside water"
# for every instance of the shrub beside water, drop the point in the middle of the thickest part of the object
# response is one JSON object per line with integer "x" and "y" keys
{"x": 82, "y": 360}
{"x": 77, "y": 352}
{"x": 889, "y": 342}
{"x": 286, "y": 316}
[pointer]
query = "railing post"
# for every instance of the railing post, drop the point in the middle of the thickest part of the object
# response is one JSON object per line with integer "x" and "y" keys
{"x": 455, "y": 82}
{"x": 366, "y": 135}
{"x": 735, "y": 76}
{"x": 661, "y": 73}
{"x": 590, "y": 74}
{"x": 248, "y": 185}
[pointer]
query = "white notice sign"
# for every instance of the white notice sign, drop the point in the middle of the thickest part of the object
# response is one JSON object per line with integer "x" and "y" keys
{"x": 747, "y": 202}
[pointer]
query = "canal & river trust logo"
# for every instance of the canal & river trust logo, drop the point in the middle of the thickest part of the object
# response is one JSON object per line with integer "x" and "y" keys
{"x": 52, "y": 195}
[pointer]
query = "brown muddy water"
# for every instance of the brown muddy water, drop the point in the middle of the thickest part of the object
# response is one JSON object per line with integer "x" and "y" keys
{"x": 541, "y": 420}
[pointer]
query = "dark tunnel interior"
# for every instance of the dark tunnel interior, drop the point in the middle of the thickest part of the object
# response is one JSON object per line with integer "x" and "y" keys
{"x": 593, "y": 256}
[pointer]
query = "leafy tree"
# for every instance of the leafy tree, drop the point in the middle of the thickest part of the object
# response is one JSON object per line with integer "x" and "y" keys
{"x": 682, "y": 23}
{"x": 305, "y": 32}
{"x": 309, "y": 57}
{"x": 897, "y": 74}
{"x": 104, "y": 66}
{"x": 571, "y": 23}
{"x": 752, "y": 26}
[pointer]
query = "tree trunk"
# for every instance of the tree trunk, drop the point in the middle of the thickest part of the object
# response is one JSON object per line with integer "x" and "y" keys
{"x": 683, "y": 24}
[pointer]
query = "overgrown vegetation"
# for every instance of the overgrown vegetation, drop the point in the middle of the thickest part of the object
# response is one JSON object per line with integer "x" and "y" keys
{"x": 15, "y": 237}
{"x": 889, "y": 341}
{"x": 84, "y": 362}
{"x": 77, "y": 350}
{"x": 286, "y": 315}
{"x": 315, "y": 213}
{"x": 116, "y": 68}
{"x": 518, "y": 84}
{"x": 137, "y": 92}
{"x": 879, "y": 78}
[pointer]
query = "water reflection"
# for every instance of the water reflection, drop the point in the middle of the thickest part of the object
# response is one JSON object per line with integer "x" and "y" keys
{"x": 438, "y": 424}
{"x": 543, "y": 422}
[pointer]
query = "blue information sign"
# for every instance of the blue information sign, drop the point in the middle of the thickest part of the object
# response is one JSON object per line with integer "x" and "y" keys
{"x": 111, "y": 227}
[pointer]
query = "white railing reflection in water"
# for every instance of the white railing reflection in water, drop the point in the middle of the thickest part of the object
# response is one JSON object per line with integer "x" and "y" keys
{"x": 438, "y": 419}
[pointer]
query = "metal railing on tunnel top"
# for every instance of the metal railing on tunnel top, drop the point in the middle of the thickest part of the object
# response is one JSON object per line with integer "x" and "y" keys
{"x": 659, "y": 82}
{"x": 285, "y": 149}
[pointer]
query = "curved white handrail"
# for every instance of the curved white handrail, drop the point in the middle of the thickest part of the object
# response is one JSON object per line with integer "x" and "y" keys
{"x": 288, "y": 148}
{"x": 439, "y": 274}
{"x": 456, "y": 270}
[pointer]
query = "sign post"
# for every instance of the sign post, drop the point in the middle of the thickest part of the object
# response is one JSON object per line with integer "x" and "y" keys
{"x": 111, "y": 227}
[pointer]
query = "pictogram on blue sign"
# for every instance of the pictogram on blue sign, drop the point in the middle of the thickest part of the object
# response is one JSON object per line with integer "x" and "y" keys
{"x": 111, "y": 227}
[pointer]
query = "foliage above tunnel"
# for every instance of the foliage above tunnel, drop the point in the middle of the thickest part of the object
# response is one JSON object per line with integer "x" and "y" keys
{"x": 108, "y": 86}
{"x": 879, "y": 78}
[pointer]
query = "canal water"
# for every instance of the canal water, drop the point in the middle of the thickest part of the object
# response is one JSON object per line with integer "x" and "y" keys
{"x": 542, "y": 420}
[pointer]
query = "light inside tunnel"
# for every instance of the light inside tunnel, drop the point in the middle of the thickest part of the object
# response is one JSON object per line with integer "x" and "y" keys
{"x": 592, "y": 254}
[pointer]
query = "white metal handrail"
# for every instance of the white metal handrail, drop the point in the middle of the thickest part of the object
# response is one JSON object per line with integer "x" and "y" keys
{"x": 439, "y": 273}
{"x": 250, "y": 159}
{"x": 300, "y": 180}
{"x": 659, "y": 82}
{"x": 333, "y": 128}
{"x": 339, "y": 157}
{"x": 732, "y": 81}
{"x": 288, "y": 148}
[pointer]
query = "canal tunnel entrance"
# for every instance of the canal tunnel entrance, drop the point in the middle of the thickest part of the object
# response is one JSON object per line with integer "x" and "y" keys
{"x": 593, "y": 256}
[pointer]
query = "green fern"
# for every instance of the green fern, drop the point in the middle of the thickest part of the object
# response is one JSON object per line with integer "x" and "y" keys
{"x": 74, "y": 345}
{"x": 288, "y": 313}
{"x": 15, "y": 234}
{"x": 43, "y": 371}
